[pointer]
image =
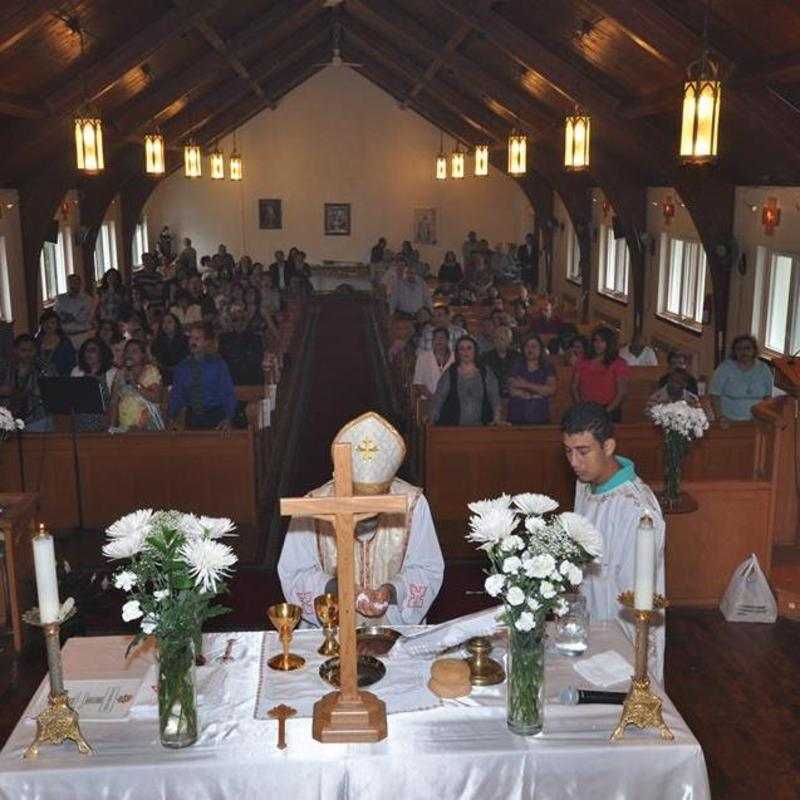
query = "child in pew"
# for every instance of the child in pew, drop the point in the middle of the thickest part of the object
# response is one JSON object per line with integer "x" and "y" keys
{"x": 674, "y": 390}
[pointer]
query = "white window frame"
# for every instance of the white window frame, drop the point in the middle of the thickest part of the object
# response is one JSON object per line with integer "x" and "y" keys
{"x": 682, "y": 281}
{"x": 573, "y": 256}
{"x": 5, "y": 283}
{"x": 764, "y": 297}
{"x": 63, "y": 265}
{"x": 140, "y": 243}
{"x": 105, "y": 250}
{"x": 614, "y": 264}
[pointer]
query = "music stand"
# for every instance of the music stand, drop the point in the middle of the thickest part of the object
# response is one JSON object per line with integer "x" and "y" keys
{"x": 73, "y": 396}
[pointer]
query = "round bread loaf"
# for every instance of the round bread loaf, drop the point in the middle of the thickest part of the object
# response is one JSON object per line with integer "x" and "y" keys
{"x": 450, "y": 678}
{"x": 449, "y": 690}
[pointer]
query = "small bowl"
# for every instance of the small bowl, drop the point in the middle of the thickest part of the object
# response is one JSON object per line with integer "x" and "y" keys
{"x": 375, "y": 640}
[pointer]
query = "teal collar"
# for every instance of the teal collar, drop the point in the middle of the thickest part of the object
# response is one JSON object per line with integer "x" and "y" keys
{"x": 625, "y": 473}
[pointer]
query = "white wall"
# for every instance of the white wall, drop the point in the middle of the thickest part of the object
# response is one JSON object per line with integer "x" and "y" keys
{"x": 337, "y": 138}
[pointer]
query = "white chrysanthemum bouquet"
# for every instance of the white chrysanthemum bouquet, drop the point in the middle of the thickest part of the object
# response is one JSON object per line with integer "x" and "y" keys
{"x": 8, "y": 424}
{"x": 682, "y": 424}
{"x": 177, "y": 565}
{"x": 536, "y": 556}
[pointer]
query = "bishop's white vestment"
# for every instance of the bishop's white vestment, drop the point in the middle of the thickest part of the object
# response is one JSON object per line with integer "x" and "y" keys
{"x": 403, "y": 552}
{"x": 615, "y": 509}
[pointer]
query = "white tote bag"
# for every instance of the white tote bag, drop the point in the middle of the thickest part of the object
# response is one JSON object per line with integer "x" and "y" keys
{"x": 748, "y": 597}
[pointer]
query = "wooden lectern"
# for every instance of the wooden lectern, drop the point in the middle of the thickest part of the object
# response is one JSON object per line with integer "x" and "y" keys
{"x": 787, "y": 375}
{"x": 349, "y": 715}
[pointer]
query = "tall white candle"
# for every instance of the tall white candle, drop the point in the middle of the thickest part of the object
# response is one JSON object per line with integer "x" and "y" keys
{"x": 44, "y": 561}
{"x": 644, "y": 576}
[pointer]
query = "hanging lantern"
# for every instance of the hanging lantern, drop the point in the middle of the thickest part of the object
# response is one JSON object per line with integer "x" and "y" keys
{"x": 192, "y": 160}
{"x": 517, "y": 153}
{"x": 577, "y": 135}
{"x": 457, "y": 163}
{"x": 236, "y": 166}
{"x": 441, "y": 160}
{"x": 154, "y": 154}
{"x": 702, "y": 95}
{"x": 481, "y": 160}
{"x": 89, "y": 143}
{"x": 217, "y": 165}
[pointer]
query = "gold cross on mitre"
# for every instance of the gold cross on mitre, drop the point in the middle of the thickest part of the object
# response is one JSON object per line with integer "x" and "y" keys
{"x": 349, "y": 715}
{"x": 367, "y": 448}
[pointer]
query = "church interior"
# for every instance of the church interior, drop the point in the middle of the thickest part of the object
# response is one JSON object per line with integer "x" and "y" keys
{"x": 463, "y": 250}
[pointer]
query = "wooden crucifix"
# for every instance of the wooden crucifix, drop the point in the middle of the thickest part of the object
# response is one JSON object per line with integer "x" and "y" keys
{"x": 349, "y": 715}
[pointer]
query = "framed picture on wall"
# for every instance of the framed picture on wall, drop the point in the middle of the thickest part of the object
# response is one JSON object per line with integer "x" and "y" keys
{"x": 337, "y": 219}
{"x": 424, "y": 226}
{"x": 270, "y": 215}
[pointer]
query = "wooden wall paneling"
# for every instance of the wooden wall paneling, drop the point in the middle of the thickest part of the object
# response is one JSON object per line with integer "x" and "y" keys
{"x": 48, "y": 463}
{"x": 705, "y": 547}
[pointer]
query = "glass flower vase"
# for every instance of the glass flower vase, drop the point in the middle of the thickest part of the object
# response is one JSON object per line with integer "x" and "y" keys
{"x": 177, "y": 694}
{"x": 675, "y": 447}
{"x": 525, "y": 684}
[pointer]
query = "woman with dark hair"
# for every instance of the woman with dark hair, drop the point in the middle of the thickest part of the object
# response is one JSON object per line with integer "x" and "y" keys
{"x": 467, "y": 394}
{"x": 170, "y": 346}
{"x": 450, "y": 270}
{"x": 53, "y": 346}
{"x": 110, "y": 296}
{"x": 740, "y": 382}
{"x": 137, "y": 391}
{"x": 531, "y": 385}
{"x": 94, "y": 360}
{"x": 578, "y": 349}
{"x": 602, "y": 377}
{"x": 107, "y": 330}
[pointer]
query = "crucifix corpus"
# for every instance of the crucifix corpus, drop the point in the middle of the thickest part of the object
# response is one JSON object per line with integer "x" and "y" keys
{"x": 349, "y": 715}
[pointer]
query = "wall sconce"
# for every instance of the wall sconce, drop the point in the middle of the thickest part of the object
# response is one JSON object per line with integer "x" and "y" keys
{"x": 668, "y": 209}
{"x": 770, "y": 215}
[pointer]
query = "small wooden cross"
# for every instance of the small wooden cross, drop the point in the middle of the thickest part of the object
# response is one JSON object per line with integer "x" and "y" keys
{"x": 349, "y": 715}
{"x": 282, "y": 713}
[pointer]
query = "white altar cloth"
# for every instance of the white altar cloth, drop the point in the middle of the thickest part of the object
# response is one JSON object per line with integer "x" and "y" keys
{"x": 462, "y": 749}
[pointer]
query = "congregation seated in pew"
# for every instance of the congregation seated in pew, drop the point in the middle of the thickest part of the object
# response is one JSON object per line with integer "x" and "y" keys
{"x": 602, "y": 377}
{"x": 501, "y": 358}
{"x": 137, "y": 391}
{"x": 94, "y": 361}
{"x": 531, "y": 383}
{"x": 674, "y": 390}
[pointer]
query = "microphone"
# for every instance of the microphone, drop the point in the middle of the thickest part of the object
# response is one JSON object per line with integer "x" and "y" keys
{"x": 573, "y": 697}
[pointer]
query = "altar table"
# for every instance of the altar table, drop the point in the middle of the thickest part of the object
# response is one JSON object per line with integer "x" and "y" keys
{"x": 461, "y": 749}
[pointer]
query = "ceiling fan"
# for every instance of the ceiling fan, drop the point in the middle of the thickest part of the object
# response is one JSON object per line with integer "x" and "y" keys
{"x": 336, "y": 57}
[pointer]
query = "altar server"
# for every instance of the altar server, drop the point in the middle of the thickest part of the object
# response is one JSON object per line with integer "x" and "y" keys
{"x": 614, "y": 498}
{"x": 398, "y": 562}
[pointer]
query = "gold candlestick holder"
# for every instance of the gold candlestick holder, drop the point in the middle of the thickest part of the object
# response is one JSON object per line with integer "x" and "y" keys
{"x": 326, "y": 607}
{"x": 641, "y": 708}
{"x": 59, "y": 721}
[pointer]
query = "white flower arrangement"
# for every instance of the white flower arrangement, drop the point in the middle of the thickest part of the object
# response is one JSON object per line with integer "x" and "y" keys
{"x": 681, "y": 418}
{"x": 177, "y": 564}
{"x": 8, "y": 423}
{"x": 536, "y": 556}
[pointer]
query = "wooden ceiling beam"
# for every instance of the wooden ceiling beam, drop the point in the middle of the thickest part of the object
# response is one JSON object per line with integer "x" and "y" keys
{"x": 450, "y": 99}
{"x": 206, "y": 30}
{"x": 15, "y": 26}
{"x": 562, "y": 74}
{"x": 97, "y": 78}
{"x": 473, "y": 79}
{"x": 18, "y": 106}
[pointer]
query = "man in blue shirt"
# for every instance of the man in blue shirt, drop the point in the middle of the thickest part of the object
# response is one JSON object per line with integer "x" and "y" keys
{"x": 202, "y": 384}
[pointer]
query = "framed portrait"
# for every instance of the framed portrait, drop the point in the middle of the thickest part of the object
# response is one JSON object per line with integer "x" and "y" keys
{"x": 270, "y": 215}
{"x": 424, "y": 226}
{"x": 337, "y": 219}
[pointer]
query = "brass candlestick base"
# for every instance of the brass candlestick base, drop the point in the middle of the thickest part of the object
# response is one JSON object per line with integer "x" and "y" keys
{"x": 327, "y": 608}
{"x": 483, "y": 671}
{"x": 59, "y": 721}
{"x": 641, "y": 707}
{"x": 285, "y": 616}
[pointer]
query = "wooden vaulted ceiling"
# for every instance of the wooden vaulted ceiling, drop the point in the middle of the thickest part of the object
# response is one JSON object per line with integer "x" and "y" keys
{"x": 474, "y": 68}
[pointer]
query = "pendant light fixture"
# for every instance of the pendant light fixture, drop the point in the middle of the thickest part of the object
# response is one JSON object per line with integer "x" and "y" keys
{"x": 154, "y": 162}
{"x": 217, "y": 164}
{"x": 577, "y": 139}
{"x": 457, "y": 162}
{"x": 235, "y": 162}
{"x": 88, "y": 132}
{"x": 441, "y": 160}
{"x": 481, "y": 160}
{"x": 702, "y": 96}
{"x": 192, "y": 160}
{"x": 517, "y": 153}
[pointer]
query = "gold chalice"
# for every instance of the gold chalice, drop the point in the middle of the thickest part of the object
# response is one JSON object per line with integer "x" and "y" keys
{"x": 285, "y": 616}
{"x": 327, "y": 608}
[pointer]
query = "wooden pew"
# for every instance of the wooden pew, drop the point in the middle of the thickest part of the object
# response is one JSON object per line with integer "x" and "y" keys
{"x": 466, "y": 464}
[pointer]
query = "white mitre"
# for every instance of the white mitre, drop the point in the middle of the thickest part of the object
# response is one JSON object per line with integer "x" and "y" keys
{"x": 378, "y": 451}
